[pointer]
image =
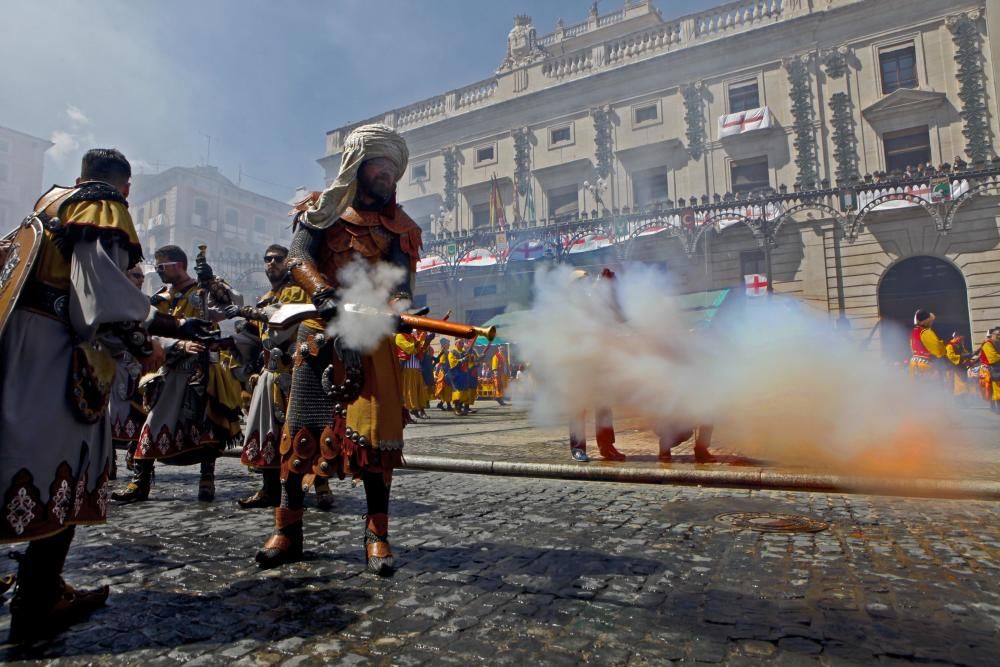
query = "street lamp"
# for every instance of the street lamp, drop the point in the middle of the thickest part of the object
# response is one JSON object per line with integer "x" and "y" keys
{"x": 595, "y": 189}
{"x": 443, "y": 220}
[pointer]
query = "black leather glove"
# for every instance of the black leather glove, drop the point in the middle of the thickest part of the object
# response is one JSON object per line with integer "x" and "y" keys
{"x": 326, "y": 304}
{"x": 203, "y": 271}
{"x": 197, "y": 329}
{"x": 231, "y": 311}
{"x": 157, "y": 299}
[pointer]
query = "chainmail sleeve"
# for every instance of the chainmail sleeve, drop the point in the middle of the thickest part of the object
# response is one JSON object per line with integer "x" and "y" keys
{"x": 302, "y": 252}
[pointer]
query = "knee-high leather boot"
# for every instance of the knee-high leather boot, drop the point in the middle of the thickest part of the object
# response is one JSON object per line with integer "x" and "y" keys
{"x": 285, "y": 543}
{"x": 378, "y": 553}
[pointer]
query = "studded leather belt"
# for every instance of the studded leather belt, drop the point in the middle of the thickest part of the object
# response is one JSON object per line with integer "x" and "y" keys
{"x": 45, "y": 300}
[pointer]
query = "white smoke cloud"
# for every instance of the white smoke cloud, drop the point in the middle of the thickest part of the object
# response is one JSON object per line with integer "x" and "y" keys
{"x": 778, "y": 383}
{"x": 369, "y": 287}
{"x": 68, "y": 142}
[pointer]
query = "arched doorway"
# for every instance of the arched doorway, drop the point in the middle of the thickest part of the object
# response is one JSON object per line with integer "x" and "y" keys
{"x": 921, "y": 282}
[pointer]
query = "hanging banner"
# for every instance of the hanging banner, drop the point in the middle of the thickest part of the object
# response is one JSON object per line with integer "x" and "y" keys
{"x": 742, "y": 122}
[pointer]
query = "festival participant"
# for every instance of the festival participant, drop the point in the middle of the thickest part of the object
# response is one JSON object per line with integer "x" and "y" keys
{"x": 409, "y": 348}
{"x": 443, "y": 388}
{"x": 501, "y": 374}
{"x": 463, "y": 393}
{"x": 345, "y": 413}
{"x": 427, "y": 376}
{"x": 958, "y": 358}
{"x": 925, "y": 346}
{"x": 76, "y": 309}
{"x": 989, "y": 369}
{"x": 605, "y": 427}
{"x": 194, "y": 402}
{"x": 126, "y": 413}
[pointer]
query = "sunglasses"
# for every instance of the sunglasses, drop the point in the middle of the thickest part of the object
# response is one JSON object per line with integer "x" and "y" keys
{"x": 164, "y": 265}
{"x": 268, "y": 259}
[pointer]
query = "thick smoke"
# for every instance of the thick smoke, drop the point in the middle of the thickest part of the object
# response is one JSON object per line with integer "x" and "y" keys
{"x": 369, "y": 286}
{"x": 777, "y": 382}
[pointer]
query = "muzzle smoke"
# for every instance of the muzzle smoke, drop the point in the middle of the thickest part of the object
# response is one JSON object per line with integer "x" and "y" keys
{"x": 369, "y": 286}
{"x": 778, "y": 383}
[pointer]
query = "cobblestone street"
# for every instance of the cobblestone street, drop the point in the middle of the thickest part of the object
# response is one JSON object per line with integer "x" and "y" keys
{"x": 524, "y": 571}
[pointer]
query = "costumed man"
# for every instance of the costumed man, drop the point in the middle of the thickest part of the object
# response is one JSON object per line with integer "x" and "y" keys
{"x": 427, "y": 375}
{"x": 75, "y": 311}
{"x": 345, "y": 413}
{"x": 443, "y": 389}
{"x": 672, "y": 437}
{"x": 958, "y": 357}
{"x": 194, "y": 401}
{"x": 269, "y": 400}
{"x": 501, "y": 374}
{"x": 925, "y": 346}
{"x": 410, "y": 348}
{"x": 989, "y": 369}
{"x": 127, "y": 413}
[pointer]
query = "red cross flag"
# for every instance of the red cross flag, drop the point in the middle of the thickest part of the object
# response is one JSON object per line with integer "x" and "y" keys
{"x": 756, "y": 284}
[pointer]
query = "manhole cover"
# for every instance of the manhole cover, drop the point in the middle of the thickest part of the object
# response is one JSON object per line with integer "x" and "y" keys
{"x": 769, "y": 522}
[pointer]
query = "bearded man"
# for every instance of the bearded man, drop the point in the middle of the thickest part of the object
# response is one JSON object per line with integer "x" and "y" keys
{"x": 345, "y": 413}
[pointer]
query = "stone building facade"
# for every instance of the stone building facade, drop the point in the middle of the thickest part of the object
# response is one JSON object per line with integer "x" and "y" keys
{"x": 192, "y": 206}
{"x": 842, "y": 149}
{"x": 22, "y": 161}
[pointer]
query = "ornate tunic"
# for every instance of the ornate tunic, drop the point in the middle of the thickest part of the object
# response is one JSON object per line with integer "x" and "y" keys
{"x": 54, "y": 460}
{"x": 324, "y": 436}
{"x": 194, "y": 403}
{"x": 266, "y": 415}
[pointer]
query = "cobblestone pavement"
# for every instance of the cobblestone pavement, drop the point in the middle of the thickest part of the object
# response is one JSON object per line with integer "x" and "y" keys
{"x": 523, "y": 571}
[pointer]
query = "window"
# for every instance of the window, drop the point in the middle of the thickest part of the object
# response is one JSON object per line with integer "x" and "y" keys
{"x": 418, "y": 172}
{"x": 480, "y": 215}
{"x": 161, "y": 206}
{"x": 749, "y": 175}
{"x": 907, "y": 148}
{"x": 563, "y": 201}
{"x": 232, "y": 218}
{"x": 259, "y": 224}
{"x": 645, "y": 114}
{"x": 486, "y": 154}
{"x": 561, "y": 135}
{"x": 649, "y": 187}
{"x": 899, "y": 68}
{"x": 201, "y": 208}
{"x": 484, "y": 290}
{"x": 751, "y": 262}
{"x": 4, "y": 173}
{"x": 743, "y": 96}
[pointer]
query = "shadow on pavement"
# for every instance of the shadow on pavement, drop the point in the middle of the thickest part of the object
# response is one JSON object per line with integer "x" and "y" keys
{"x": 265, "y": 610}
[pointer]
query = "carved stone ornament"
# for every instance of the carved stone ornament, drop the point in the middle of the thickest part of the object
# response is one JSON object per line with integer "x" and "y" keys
{"x": 522, "y": 45}
{"x": 602, "y": 140}
{"x": 834, "y": 62}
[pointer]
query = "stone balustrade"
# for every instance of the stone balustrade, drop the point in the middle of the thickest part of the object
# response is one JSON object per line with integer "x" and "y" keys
{"x": 569, "y": 65}
{"x": 476, "y": 93}
{"x": 736, "y": 17}
{"x": 420, "y": 112}
{"x": 642, "y": 43}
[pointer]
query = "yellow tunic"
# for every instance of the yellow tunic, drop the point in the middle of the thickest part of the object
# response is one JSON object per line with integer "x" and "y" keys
{"x": 991, "y": 388}
{"x": 960, "y": 383}
{"x": 413, "y": 379}
{"x": 921, "y": 366}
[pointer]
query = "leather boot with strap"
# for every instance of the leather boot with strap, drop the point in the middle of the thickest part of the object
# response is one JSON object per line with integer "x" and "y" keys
{"x": 378, "y": 553}
{"x": 285, "y": 543}
{"x": 269, "y": 494}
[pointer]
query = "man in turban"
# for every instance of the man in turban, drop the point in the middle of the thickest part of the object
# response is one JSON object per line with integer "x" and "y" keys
{"x": 345, "y": 413}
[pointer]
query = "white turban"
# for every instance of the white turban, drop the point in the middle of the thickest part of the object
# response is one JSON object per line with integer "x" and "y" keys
{"x": 364, "y": 143}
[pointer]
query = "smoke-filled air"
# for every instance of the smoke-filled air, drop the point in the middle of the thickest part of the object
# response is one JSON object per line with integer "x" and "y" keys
{"x": 777, "y": 382}
{"x": 369, "y": 286}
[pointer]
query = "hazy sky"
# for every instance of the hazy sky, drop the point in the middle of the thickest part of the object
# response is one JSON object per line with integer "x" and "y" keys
{"x": 265, "y": 80}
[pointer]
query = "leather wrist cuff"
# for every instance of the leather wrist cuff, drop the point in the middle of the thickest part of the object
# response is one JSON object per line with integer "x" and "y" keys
{"x": 308, "y": 277}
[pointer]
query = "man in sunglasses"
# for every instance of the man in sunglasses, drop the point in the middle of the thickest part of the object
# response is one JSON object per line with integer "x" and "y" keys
{"x": 76, "y": 309}
{"x": 269, "y": 400}
{"x": 194, "y": 402}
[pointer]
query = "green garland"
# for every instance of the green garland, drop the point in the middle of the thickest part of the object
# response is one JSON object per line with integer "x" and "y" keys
{"x": 972, "y": 91}
{"x": 802, "y": 112}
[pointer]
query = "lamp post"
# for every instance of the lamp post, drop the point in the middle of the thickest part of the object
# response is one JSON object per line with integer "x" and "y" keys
{"x": 595, "y": 189}
{"x": 443, "y": 220}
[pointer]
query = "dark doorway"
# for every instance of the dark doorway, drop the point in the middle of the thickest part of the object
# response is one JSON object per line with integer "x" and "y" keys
{"x": 921, "y": 282}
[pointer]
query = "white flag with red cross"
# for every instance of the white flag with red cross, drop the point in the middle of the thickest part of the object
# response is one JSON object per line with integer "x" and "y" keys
{"x": 756, "y": 284}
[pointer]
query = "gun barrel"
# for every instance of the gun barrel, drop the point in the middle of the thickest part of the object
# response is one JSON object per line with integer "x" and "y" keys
{"x": 448, "y": 328}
